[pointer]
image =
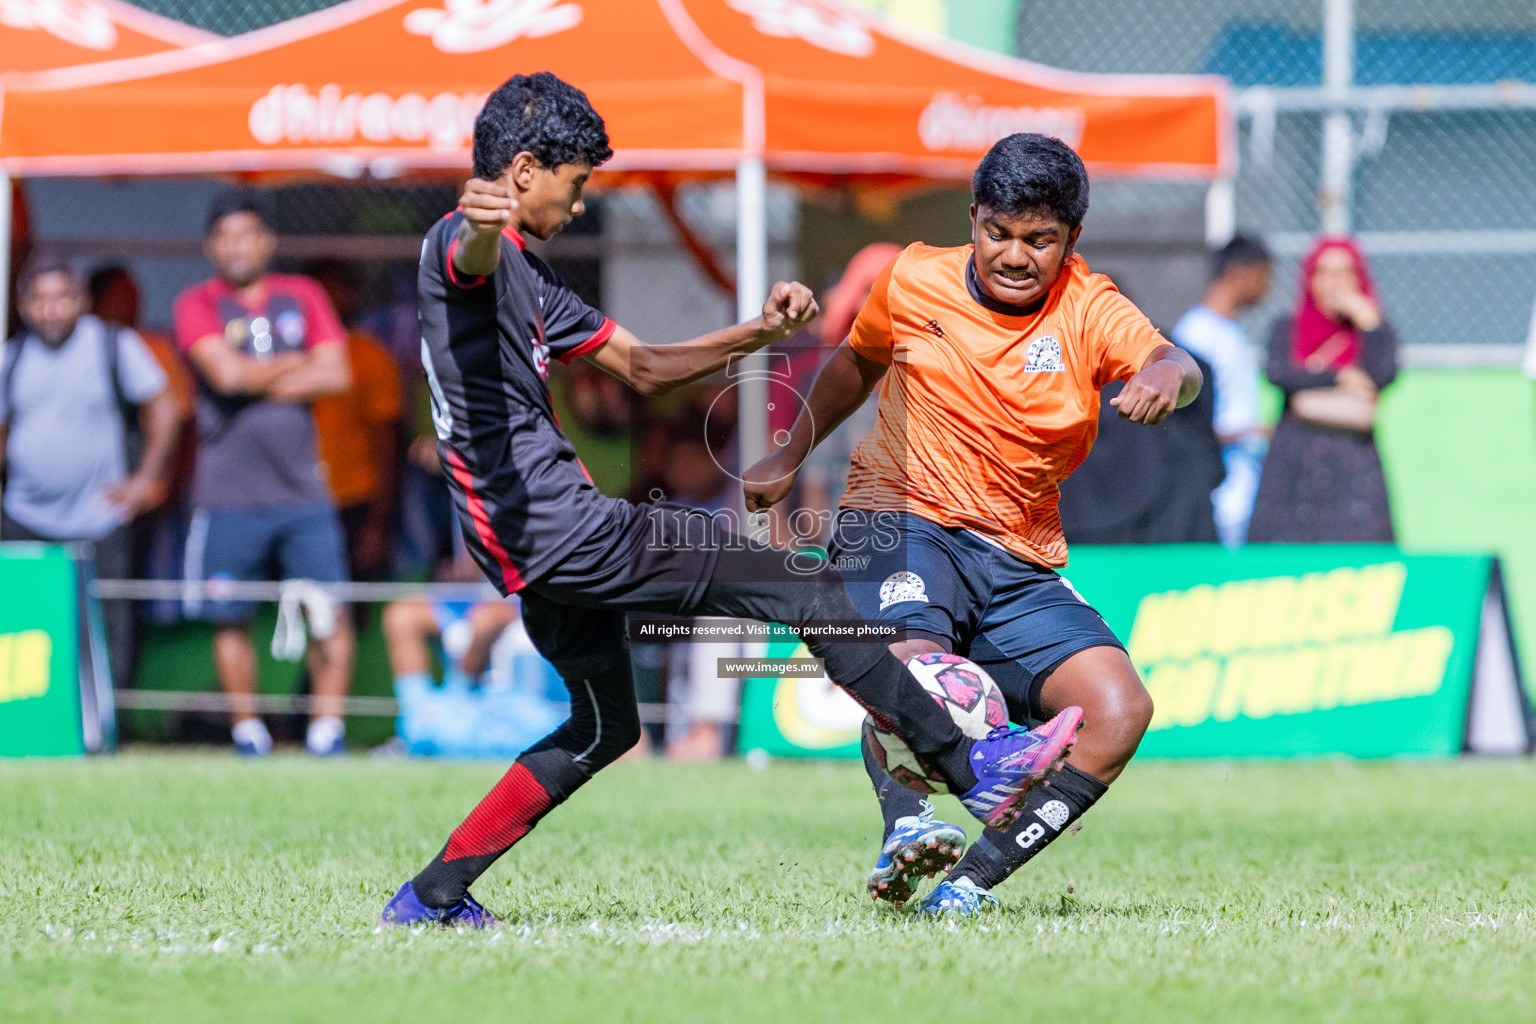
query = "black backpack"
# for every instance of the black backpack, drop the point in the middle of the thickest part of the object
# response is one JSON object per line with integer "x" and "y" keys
{"x": 133, "y": 436}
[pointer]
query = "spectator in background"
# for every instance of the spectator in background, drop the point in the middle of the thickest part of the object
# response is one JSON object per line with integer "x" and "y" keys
{"x": 159, "y": 535}
{"x": 1240, "y": 275}
{"x": 69, "y": 388}
{"x": 1146, "y": 485}
{"x": 701, "y": 706}
{"x": 263, "y": 347}
{"x": 1332, "y": 355}
{"x": 358, "y": 431}
{"x": 466, "y": 631}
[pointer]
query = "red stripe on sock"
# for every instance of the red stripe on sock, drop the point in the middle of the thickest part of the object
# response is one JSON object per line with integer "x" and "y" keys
{"x": 509, "y": 810}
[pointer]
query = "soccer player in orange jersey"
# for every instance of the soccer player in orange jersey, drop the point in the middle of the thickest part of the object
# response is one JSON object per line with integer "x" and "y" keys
{"x": 992, "y": 356}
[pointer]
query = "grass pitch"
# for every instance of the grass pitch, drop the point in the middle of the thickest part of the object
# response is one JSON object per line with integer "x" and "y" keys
{"x": 189, "y": 888}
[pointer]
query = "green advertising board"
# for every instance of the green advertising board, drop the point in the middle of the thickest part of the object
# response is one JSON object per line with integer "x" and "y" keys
{"x": 39, "y": 653}
{"x": 1272, "y": 651}
{"x": 1282, "y": 650}
{"x": 797, "y": 717}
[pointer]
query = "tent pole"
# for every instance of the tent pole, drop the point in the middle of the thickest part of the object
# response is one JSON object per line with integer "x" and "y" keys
{"x": 1338, "y": 151}
{"x": 1220, "y": 212}
{"x": 751, "y": 291}
{"x": 5, "y": 251}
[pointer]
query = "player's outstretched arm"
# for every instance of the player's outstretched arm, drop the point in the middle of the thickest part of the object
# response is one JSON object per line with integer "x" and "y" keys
{"x": 487, "y": 208}
{"x": 657, "y": 369}
{"x": 1170, "y": 379}
{"x": 843, "y": 384}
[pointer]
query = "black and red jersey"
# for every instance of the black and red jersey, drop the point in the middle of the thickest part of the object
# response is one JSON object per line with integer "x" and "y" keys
{"x": 524, "y": 499}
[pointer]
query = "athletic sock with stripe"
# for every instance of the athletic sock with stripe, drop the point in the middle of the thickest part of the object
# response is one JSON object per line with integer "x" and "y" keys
{"x": 1048, "y": 811}
{"x": 538, "y": 782}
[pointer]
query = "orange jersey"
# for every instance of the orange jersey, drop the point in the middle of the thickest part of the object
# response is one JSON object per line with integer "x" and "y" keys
{"x": 982, "y": 414}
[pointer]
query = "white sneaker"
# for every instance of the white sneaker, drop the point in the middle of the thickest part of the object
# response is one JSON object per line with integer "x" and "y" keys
{"x": 326, "y": 737}
{"x": 251, "y": 738}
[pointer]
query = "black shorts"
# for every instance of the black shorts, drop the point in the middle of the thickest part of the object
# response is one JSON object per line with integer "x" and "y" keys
{"x": 656, "y": 558}
{"x": 1017, "y": 619}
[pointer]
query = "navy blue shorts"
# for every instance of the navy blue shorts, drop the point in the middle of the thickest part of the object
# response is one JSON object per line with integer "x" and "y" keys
{"x": 248, "y": 544}
{"x": 1017, "y": 619}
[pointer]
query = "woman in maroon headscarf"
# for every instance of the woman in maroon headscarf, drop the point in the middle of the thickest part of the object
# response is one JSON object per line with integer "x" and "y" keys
{"x": 1322, "y": 478}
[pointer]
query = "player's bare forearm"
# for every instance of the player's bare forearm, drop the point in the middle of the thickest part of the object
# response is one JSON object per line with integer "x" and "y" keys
{"x": 657, "y": 369}
{"x": 1170, "y": 379}
{"x": 843, "y": 384}
{"x": 841, "y": 387}
{"x": 477, "y": 253}
{"x": 487, "y": 207}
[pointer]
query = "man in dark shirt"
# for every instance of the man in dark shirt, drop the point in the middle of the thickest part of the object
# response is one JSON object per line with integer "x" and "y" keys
{"x": 492, "y": 316}
{"x": 263, "y": 346}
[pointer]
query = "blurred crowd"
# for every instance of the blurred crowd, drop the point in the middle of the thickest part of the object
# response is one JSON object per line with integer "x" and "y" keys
{"x": 277, "y": 433}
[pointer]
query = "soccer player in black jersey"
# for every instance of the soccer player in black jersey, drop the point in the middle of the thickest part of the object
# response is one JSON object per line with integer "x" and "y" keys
{"x": 492, "y": 316}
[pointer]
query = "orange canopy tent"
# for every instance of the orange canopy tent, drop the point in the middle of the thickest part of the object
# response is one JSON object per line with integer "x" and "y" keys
{"x": 685, "y": 85}
{"x": 36, "y": 35}
{"x": 811, "y": 88}
{"x": 848, "y": 92}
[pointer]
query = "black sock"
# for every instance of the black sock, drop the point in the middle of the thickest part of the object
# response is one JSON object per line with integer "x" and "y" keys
{"x": 1048, "y": 810}
{"x": 538, "y": 781}
{"x": 748, "y": 584}
{"x": 894, "y": 698}
{"x": 896, "y": 800}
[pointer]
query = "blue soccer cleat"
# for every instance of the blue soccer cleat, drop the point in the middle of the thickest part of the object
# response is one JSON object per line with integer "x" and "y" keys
{"x": 406, "y": 911}
{"x": 1010, "y": 762}
{"x": 918, "y": 847}
{"x": 959, "y": 896}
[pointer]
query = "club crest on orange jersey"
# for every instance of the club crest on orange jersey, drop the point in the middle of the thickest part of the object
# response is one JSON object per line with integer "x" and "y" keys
{"x": 1043, "y": 355}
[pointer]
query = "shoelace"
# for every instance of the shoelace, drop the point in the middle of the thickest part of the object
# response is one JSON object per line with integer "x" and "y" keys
{"x": 467, "y": 907}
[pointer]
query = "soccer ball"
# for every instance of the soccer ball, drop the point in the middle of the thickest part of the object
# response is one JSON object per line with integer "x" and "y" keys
{"x": 962, "y": 688}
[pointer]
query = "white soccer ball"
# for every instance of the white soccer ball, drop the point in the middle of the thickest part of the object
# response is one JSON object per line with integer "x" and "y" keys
{"x": 962, "y": 688}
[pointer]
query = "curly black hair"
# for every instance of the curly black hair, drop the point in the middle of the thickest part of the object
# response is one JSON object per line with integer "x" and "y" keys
{"x": 1026, "y": 173}
{"x": 542, "y": 115}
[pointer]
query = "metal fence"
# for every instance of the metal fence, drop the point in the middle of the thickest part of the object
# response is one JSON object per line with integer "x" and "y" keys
{"x": 1435, "y": 171}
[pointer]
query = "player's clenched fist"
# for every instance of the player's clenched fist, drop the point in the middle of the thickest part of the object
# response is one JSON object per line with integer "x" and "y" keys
{"x": 487, "y": 205}
{"x": 769, "y": 481}
{"x": 1152, "y": 395}
{"x": 790, "y": 307}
